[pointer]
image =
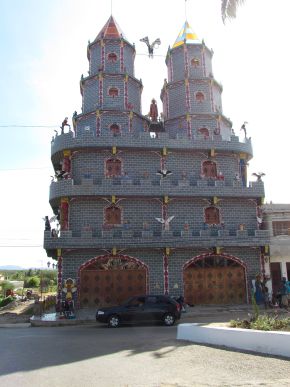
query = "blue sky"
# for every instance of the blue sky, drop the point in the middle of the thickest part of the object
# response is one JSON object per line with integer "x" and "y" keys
{"x": 43, "y": 54}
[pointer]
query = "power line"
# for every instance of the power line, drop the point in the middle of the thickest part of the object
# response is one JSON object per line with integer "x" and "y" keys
{"x": 22, "y": 246}
{"x": 28, "y": 126}
{"x": 24, "y": 169}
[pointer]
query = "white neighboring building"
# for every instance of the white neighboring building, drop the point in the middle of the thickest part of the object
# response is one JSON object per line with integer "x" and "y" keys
{"x": 276, "y": 219}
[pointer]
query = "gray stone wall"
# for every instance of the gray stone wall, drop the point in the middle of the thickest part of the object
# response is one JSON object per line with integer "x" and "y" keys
{"x": 154, "y": 260}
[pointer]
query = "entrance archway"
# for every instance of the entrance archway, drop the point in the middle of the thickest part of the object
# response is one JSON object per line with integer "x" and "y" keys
{"x": 215, "y": 279}
{"x": 109, "y": 280}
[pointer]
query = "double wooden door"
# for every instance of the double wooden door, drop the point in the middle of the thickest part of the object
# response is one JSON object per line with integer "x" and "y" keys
{"x": 214, "y": 285}
{"x": 110, "y": 287}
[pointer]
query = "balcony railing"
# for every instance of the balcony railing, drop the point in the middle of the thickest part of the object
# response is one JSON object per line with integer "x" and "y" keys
{"x": 127, "y": 237}
{"x": 147, "y": 187}
{"x": 141, "y": 140}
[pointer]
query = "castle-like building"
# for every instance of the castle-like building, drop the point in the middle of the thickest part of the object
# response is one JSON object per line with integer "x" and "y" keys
{"x": 154, "y": 205}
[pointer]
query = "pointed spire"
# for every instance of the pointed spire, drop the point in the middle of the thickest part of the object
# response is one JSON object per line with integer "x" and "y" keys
{"x": 111, "y": 30}
{"x": 186, "y": 34}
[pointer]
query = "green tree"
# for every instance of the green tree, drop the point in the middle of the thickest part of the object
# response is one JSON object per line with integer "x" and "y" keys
{"x": 229, "y": 8}
{"x": 32, "y": 282}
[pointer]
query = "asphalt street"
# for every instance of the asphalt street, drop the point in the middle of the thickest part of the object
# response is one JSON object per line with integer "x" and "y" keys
{"x": 140, "y": 356}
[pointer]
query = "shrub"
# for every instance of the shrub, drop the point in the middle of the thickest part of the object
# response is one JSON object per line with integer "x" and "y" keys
{"x": 32, "y": 282}
{"x": 262, "y": 323}
{"x": 5, "y": 301}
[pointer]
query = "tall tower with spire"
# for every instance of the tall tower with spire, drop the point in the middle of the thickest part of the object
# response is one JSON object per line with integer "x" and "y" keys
{"x": 170, "y": 213}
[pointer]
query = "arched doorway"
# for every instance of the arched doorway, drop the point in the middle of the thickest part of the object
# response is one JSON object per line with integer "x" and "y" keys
{"x": 215, "y": 279}
{"x": 109, "y": 280}
{"x": 209, "y": 169}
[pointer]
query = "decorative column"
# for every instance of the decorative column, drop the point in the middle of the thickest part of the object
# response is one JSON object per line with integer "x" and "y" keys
{"x": 98, "y": 122}
{"x": 59, "y": 278}
{"x": 126, "y": 92}
{"x": 64, "y": 207}
{"x": 165, "y": 270}
{"x": 187, "y": 95}
{"x": 103, "y": 54}
{"x": 101, "y": 91}
{"x": 188, "y": 124}
{"x": 122, "y": 56}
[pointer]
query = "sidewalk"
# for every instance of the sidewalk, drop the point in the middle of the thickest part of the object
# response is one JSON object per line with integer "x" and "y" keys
{"x": 87, "y": 316}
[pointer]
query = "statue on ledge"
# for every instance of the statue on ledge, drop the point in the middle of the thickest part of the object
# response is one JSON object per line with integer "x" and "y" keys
{"x": 153, "y": 114}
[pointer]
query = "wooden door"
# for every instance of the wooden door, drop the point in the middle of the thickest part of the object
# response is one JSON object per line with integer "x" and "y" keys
{"x": 275, "y": 268}
{"x": 215, "y": 285}
{"x": 110, "y": 287}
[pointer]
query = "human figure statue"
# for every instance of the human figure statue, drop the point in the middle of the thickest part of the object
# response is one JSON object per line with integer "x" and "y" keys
{"x": 243, "y": 128}
{"x": 63, "y": 124}
{"x": 153, "y": 111}
{"x": 46, "y": 224}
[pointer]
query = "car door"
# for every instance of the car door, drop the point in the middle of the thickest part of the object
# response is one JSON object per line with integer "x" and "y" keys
{"x": 133, "y": 310}
{"x": 153, "y": 309}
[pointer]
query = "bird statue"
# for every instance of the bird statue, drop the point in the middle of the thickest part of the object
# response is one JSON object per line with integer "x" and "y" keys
{"x": 259, "y": 175}
{"x": 151, "y": 46}
{"x": 165, "y": 222}
{"x": 243, "y": 127}
{"x": 163, "y": 173}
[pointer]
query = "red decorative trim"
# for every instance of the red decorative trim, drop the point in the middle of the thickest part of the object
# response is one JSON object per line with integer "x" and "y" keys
{"x": 59, "y": 281}
{"x": 101, "y": 91}
{"x": 98, "y": 130}
{"x": 226, "y": 256}
{"x": 189, "y": 130}
{"x": 103, "y": 55}
{"x": 187, "y": 96}
{"x": 185, "y": 61}
{"x": 121, "y": 57}
{"x": 100, "y": 257}
{"x": 165, "y": 274}
{"x": 125, "y": 94}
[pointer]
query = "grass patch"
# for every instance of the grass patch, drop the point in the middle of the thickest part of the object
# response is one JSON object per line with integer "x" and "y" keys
{"x": 263, "y": 323}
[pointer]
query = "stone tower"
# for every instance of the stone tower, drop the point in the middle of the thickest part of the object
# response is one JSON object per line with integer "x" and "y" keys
{"x": 167, "y": 212}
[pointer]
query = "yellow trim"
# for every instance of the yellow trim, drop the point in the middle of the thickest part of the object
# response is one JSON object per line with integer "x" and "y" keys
{"x": 212, "y": 152}
{"x": 166, "y": 199}
{"x": 114, "y": 150}
{"x": 215, "y": 200}
{"x": 114, "y": 251}
{"x": 164, "y": 151}
{"x": 67, "y": 153}
{"x": 64, "y": 200}
{"x": 58, "y": 252}
{"x": 113, "y": 199}
{"x": 167, "y": 250}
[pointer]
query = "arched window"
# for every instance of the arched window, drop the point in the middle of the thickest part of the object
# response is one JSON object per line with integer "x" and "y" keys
{"x": 115, "y": 129}
{"x": 112, "y": 57}
{"x": 113, "y": 92}
{"x": 113, "y": 167}
{"x": 199, "y": 96}
{"x": 194, "y": 62}
{"x": 212, "y": 215}
{"x": 113, "y": 215}
{"x": 209, "y": 169}
{"x": 204, "y": 132}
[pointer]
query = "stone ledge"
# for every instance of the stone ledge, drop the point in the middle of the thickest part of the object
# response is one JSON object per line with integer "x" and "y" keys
{"x": 268, "y": 342}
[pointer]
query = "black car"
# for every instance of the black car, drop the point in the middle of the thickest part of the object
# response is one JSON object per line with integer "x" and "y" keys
{"x": 149, "y": 308}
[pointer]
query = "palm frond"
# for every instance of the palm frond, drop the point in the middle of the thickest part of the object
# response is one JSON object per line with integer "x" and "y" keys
{"x": 229, "y": 8}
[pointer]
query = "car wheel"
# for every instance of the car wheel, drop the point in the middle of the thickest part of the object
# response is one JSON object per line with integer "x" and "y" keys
{"x": 168, "y": 319}
{"x": 114, "y": 321}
